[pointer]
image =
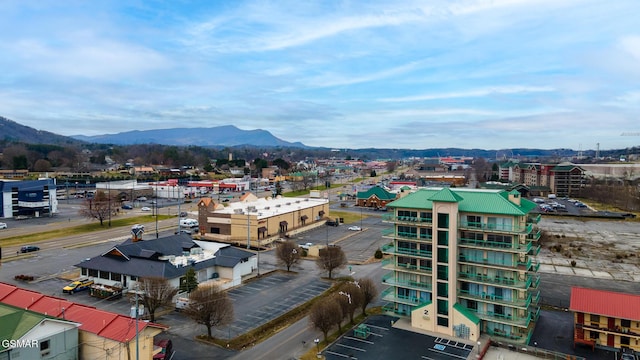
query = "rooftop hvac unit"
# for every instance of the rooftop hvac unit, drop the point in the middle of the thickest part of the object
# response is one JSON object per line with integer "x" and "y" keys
{"x": 288, "y": 203}
{"x": 278, "y": 205}
{"x": 266, "y": 208}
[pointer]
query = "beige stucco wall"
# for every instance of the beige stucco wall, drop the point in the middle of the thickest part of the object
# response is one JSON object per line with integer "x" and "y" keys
{"x": 93, "y": 346}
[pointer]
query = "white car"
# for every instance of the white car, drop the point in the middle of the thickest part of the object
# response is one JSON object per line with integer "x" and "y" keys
{"x": 306, "y": 246}
{"x": 355, "y": 228}
{"x": 3, "y": 225}
{"x": 145, "y": 208}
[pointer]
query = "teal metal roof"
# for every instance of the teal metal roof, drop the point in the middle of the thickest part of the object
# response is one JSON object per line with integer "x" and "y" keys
{"x": 467, "y": 313}
{"x": 16, "y": 322}
{"x": 377, "y": 191}
{"x": 445, "y": 195}
{"x": 471, "y": 200}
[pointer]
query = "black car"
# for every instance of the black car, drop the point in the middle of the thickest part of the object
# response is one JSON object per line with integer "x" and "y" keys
{"x": 127, "y": 207}
{"x": 29, "y": 248}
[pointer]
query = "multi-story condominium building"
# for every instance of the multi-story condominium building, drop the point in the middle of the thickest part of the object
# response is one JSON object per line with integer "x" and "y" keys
{"x": 462, "y": 262}
{"x": 564, "y": 179}
{"x": 605, "y": 319}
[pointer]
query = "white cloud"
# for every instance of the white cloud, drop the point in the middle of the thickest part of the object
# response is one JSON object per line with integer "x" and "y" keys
{"x": 473, "y": 93}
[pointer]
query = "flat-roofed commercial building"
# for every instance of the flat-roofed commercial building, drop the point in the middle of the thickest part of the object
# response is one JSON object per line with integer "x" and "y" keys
{"x": 462, "y": 263}
{"x": 259, "y": 221}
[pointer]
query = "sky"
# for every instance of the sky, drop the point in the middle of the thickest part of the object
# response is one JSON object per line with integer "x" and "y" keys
{"x": 490, "y": 74}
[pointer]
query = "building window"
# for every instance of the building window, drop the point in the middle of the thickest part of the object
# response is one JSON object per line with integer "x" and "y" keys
{"x": 443, "y": 255}
{"x": 116, "y": 277}
{"x": 133, "y": 278}
{"x": 426, "y": 217}
{"x": 405, "y": 215}
{"x": 93, "y": 273}
{"x": 83, "y": 271}
{"x": 443, "y": 321}
{"x": 426, "y": 233}
{"x": 593, "y": 335}
{"x": 443, "y": 272}
{"x": 474, "y": 221}
{"x": 214, "y": 230}
{"x": 443, "y": 289}
{"x": 443, "y": 221}
{"x": 595, "y": 319}
{"x": 443, "y": 238}
{"x": 443, "y": 307}
{"x": 44, "y": 348}
{"x": 104, "y": 275}
{"x": 625, "y": 323}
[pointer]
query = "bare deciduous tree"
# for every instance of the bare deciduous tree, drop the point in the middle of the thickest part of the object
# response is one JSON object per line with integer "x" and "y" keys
{"x": 350, "y": 298}
{"x": 288, "y": 253}
{"x": 369, "y": 292}
{"x": 155, "y": 293}
{"x": 99, "y": 207}
{"x": 323, "y": 315}
{"x": 210, "y": 306}
{"x": 331, "y": 258}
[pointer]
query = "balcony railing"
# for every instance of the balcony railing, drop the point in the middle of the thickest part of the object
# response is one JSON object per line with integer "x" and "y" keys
{"x": 390, "y": 249}
{"x": 391, "y": 234}
{"x": 390, "y": 264}
{"x": 390, "y": 279}
{"x": 391, "y": 308}
{"x": 511, "y": 319}
{"x": 405, "y": 219}
{"x": 512, "y": 229}
{"x": 516, "y": 302}
{"x": 530, "y": 282}
{"x": 391, "y": 295}
{"x": 534, "y": 218}
{"x": 494, "y": 245}
{"x": 534, "y": 235}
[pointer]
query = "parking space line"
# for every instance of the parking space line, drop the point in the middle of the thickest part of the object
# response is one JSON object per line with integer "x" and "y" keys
{"x": 339, "y": 354}
{"x": 447, "y": 354}
{"x": 378, "y": 327}
{"x": 374, "y": 334}
{"x": 427, "y": 358}
{"x": 351, "y": 347}
{"x": 356, "y": 339}
{"x": 455, "y": 344}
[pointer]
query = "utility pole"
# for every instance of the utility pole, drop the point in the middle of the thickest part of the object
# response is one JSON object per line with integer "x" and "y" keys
{"x": 137, "y": 342}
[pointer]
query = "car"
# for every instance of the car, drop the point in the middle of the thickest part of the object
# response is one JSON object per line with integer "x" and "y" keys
{"x": 332, "y": 223}
{"x": 183, "y": 214}
{"x": 145, "y": 208}
{"x": 167, "y": 349}
{"x": 355, "y": 228}
{"x": 3, "y": 225}
{"x": 184, "y": 231}
{"x": 142, "y": 198}
{"x": 306, "y": 246}
{"x": 29, "y": 248}
{"x": 79, "y": 285}
{"x": 626, "y": 356}
{"x": 127, "y": 207}
{"x": 153, "y": 202}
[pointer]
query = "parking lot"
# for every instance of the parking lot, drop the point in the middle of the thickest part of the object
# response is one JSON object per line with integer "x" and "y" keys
{"x": 387, "y": 342}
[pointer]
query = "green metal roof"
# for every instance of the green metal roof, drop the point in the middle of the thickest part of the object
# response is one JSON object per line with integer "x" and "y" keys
{"x": 445, "y": 195}
{"x": 566, "y": 167}
{"x": 16, "y": 322}
{"x": 467, "y": 313}
{"x": 379, "y": 192}
{"x": 471, "y": 201}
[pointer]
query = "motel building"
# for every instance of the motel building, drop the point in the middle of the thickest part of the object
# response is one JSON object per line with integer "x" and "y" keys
{"x": 461, "y": 263}
{"x": 605, "y": 319}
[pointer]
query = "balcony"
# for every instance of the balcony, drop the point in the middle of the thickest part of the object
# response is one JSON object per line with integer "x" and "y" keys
{"x": 391, "y": 295}
{"x": 389, "y": 264}
{"x": 405, "y": 219}
{"x": 390, "y": 249}
{"x": 492, "y": 298}
{"x": 534, "y": 235}
{"x": 530, "y": 282}
{"x": 391, "y": 234}
{"x": 495, "y": 228}
{"x": 390, "y": 279}
{"x": 617, "y": 330}
{"x": 510, "y": 319}
{"x": 534, "y": 218}
{"x": 391, "y": 308}
{"x": 493, "y": 245}
{"x": 498, "y": 335}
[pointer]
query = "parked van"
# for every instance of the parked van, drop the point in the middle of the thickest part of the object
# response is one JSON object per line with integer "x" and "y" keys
{"x": 188, "y": 223}
{"x": 182, "y": 303}
{"x": 551, "y": 196}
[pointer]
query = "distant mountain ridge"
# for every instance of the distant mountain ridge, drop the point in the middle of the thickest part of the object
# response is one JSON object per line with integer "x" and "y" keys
{"x": 227, "y": 135}
{"x": 12, "y": 131}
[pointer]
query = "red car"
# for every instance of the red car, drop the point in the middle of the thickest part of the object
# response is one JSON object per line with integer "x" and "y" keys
{"x": 167, "y": 349}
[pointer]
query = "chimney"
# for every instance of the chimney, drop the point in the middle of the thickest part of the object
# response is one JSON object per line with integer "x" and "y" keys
{"x": 514, "y": 197}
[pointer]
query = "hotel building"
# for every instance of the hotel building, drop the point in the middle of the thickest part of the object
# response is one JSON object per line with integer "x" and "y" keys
{"x": 462, "y": 263}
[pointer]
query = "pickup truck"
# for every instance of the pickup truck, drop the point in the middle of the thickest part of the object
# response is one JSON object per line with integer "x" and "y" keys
{"x": 78, "y": 285}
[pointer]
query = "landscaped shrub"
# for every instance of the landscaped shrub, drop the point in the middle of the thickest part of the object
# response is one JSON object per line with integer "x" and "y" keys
{"x": 573, "y": 263}
{"x": 378, "y": 254}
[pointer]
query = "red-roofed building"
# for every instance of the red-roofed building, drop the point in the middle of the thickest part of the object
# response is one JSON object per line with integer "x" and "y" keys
{"x": 606, "y": 319}
{"x": 102, "y": 334}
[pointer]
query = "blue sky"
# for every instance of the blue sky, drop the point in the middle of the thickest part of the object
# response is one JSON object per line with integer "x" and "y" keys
{"x": 344, "y": 74}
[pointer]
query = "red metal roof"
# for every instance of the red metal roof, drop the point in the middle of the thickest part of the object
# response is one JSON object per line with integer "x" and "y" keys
{"x": 102, "y": 323}
{"x": 605, "y": 303}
